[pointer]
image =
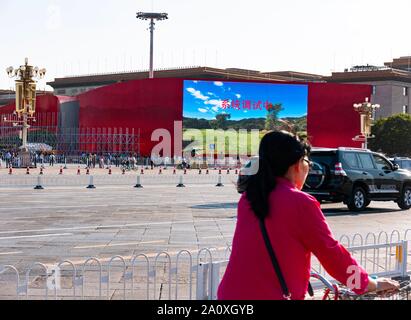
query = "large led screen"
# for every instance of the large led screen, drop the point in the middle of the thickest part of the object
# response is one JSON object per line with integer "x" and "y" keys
{"x": 244, "y": 106}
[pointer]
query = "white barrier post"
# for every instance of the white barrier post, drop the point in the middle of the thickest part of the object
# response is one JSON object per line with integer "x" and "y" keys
{"x": 91, "y": 184}
{"x": 180, "y": 184}
{"x": 219, "y": 184}
{"x": 39, "y": 186}
{"x": 138, "y": 184}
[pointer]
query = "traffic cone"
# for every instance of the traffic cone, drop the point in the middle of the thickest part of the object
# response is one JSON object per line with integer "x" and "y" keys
{"x": 88, "y": 171}
{"x": 78, "y": 171}
{"x": 142, "y": 171}
{"x": 11, "y": 170}
{"x": 160, "y": 171}
{"x": 174, "y": 171}
{"x": 124, "y": 171}
{"x": 61, "y": 170}
{"x": 236, "y": 171}
{"x": 219, "y": 171}
{"x": 109, "y": 170}
{"x": 41, "y": 170}
{"x": 185, "y": 171}
{"x": 199, "y": 171}
{"x": 207, "y": 172}
{"x": 28, "y": 170}
{"x": 228, "y": 171}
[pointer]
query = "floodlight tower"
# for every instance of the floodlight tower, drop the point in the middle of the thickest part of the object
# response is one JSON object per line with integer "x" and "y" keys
{"x": 152, "y": 17}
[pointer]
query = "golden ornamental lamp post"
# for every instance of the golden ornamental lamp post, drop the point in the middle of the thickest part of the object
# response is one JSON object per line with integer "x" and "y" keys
{"x": 367, "y": 115}
{"x": 25, "y": 101}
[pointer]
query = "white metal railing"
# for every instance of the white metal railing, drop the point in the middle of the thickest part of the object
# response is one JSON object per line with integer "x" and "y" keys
{"x": 168, "y": 276}
{"x": 187, "y": 274}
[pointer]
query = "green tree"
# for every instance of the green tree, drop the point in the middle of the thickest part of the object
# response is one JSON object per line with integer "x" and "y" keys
{"x": 392, "y": 135}
{"x": 221, "y": 121}
{"x": 272, "y": 116}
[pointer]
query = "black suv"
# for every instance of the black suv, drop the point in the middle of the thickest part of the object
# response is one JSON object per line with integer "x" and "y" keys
{"x": 355, "y": 177}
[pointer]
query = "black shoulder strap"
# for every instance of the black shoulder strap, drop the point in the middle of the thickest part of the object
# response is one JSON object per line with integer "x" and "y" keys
{"x": 286, "y": 293}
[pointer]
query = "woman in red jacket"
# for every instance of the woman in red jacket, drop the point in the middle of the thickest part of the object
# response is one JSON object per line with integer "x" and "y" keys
{"x": 295, "y": 227}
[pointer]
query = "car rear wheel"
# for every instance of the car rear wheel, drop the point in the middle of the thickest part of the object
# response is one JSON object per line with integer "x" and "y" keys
{"x": 358, "y": 200}
{"x": 405, "y": 200}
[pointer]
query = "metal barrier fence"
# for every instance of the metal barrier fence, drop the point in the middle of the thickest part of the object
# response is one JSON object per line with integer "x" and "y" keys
{"x": 115, "y": 180}
{"x": 139, "y": 277}
{"x": 184, "y": 275}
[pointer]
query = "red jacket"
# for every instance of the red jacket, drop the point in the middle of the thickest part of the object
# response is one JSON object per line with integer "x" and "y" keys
{"x": 297, "y": 228}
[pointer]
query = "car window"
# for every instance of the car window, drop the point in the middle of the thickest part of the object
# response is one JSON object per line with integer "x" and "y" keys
{"x": 351, "y": 159}
{"x": 381, "y": 163}
{"x": 406, "y": 164}
{"x": 366, "y": 161}
{"x": 325, "y": 158}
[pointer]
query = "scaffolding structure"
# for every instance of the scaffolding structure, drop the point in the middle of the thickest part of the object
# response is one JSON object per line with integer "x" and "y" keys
{"x": 70, "y": 141}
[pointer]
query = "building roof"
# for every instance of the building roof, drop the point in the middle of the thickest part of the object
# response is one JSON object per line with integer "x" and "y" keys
{"x": 297, "y": 76}
{"x": 400, "y": 63}
{"x": 378, "y": 74}
{"x": 191, "y": 72}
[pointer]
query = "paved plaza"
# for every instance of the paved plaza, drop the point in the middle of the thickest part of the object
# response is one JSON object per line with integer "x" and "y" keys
{"x": 74, "y": 222}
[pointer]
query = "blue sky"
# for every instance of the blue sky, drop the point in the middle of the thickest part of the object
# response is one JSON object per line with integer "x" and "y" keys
{"x": 97, "y": 36}
{"x": 206, "y": 99}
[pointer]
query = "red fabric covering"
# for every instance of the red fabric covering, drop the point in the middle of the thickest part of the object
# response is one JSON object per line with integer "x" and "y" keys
{"x": 332, "y": 121}
{"x": 296, "y": 228}
{"x": 156, "y": 103}
{"x": 145, "y": 104}
{"x": 47, "y": 107}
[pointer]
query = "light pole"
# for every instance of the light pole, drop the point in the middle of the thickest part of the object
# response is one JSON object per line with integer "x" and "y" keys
{"x": 367, "y": 115}
{"x": 25, "y": 101}
{"x": 152, "y": 17}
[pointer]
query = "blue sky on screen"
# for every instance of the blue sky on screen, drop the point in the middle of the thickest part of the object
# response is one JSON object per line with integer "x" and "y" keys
{"x": 206, "y": 99}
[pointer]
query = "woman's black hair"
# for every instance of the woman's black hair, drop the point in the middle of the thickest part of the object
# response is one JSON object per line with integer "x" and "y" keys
{"x": 278, "y": 151}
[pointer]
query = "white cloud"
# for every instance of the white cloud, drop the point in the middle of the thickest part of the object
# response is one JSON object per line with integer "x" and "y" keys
{"x": 214, "y": 102}
{"x": 195, "y": 81}
{"x": 218, "y": 83}
{"x": 238, "y": 96}
{"x": 245, "y": 111}
{"x": 197, "y": 94}
{"x": 215, "y": 109}
{"x": 202, "y": 110}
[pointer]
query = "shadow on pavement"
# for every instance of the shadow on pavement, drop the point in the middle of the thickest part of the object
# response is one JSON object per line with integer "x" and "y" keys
{"x": 227, "y": 205}
{"x": 333, "y": 212}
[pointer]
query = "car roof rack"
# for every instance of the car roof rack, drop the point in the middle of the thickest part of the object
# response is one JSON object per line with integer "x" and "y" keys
{"x": 352, "y": 149}
{"x": 340, "y": 148}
